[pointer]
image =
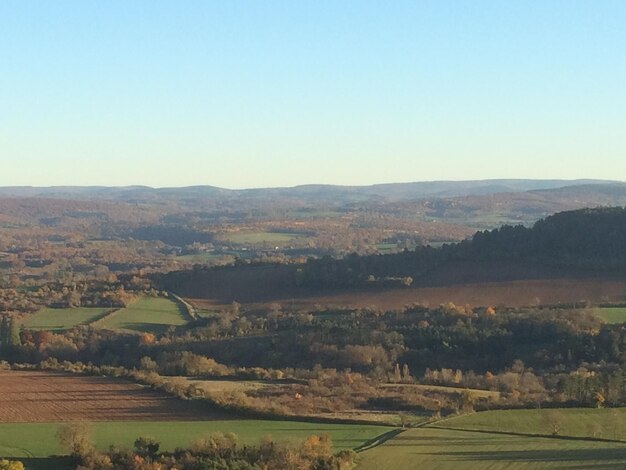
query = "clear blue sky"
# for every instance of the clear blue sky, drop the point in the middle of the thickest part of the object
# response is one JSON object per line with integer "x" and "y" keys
{"x": 268, "y": 93}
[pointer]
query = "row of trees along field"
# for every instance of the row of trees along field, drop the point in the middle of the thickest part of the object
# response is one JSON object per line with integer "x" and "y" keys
{"x": 558, "y": 354}
{"x": 9, "y": 333}
{"x": 214, "y": 451}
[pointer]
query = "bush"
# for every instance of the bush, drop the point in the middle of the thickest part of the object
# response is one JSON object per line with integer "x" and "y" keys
{"x": 11, "y": 465}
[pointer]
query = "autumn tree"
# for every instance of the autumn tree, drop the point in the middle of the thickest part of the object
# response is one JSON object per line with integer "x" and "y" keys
{"x": 552, "y": 420}
{"x": 11, "y": 465}
{"x": 9, "y": 332}
{"x": 4, "y": 332}
{"x": 147, "y": 447}
{"x": 466, "y": 400}
{"x": 14, "y": 332}
{"x": 75, "y": 438}
{"x": 397, "y": 377}
{"x": 599, "y": 399}
{"x": 317, "y": 446}
{"x": 406, "y": 374}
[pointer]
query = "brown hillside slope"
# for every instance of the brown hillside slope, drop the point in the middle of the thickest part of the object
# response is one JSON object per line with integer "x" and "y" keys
{"x": 510, "y": 293}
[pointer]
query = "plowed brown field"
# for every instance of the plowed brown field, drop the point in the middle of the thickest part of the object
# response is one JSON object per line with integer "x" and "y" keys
{"x": 30, "y": 396}
{"x": 510, "y": 293}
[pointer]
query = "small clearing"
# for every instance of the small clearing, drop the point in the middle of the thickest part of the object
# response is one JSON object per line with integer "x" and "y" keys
{"x": 146, "y": 314}
{"x": 56, "y": 319}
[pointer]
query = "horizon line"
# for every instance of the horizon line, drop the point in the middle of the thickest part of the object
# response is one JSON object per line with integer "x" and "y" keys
{"x": 145, "y": 186}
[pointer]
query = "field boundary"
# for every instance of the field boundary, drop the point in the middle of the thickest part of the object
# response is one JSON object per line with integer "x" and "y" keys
{"x": 270, "y": 416}
{"x": 106, "y": 316}
{"x": 378, "y": 440}
{"x": 525, "y": 434}
{"x": 189, "y": 309}
{"x": 28, "y": 454}
{"x": 101, "y": 317}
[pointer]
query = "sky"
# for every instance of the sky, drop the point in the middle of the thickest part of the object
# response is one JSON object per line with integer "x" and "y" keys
{"x": 267, "y": 93}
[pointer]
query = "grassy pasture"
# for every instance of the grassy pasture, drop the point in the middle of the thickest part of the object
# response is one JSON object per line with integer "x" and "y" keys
{"x": 38, "y": 439}
{"x": 442, "y": 449}
{"x": 200, "y": 257}
{"x": 609, "y": 423}
{"x": 386, "y": 247}
{"x": 213, "y": 386}
{"x": 612, "y": 314}
{"x": 251, "y": 238}
{"x": 443, "y": 389}
{"x": 151, "y": 314}
{"x": 63, "y": 318}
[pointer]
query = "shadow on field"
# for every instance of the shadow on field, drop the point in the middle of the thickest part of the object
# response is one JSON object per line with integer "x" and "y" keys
{"x": 411, "y": 441}
{"x": 142, "y": 326}
{"x": 47, "y": 463}
{"x": 598, "y": 456}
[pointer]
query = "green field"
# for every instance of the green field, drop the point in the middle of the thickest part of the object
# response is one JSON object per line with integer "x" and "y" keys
{"x": 200, "y": 257}
{"x": 38, "y": 439}
{"x": 441, "y": 446}
{"x": 478, "y": 441}
{"x": 63, "y": 318}
{"x": 386, "y": 247}
{"x": 608, "y": 423}
{"x": 251, "y": 238}
{"x": 151, "y": 314}
{"x": 441, "y": 449}
{"x": 612, "y": 314}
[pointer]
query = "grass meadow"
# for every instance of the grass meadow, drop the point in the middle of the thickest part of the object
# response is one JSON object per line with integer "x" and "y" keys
{"x": 607, "y": 423}
{"x": 445, "y": 449}
{"x": 147, "y": 314}
{"x": 19, "y": 440}
{"x": 612, "y": 314}
{"x": 55, "y": 319}
{"x": 252, "y": 238}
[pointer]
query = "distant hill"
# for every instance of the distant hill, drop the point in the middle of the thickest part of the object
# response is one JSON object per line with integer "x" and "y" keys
{"x": 391, "y": 191}
{"x": 492, "y": 210}
{"x": 431, "y": 211}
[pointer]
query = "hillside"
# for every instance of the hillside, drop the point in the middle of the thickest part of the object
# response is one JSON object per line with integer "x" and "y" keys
{"x": 568, "y": 243}
{"x": 461, "y": 204}
{"x": 490, "y": 210}
{"x": 588, "y": 243}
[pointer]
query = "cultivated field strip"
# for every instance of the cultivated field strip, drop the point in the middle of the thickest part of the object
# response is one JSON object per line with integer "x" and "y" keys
{"x": 522, "y": 293}
{"x": 30, "y": 396}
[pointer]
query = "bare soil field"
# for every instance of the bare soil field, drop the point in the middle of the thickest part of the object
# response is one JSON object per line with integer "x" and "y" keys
{"x": 463, "y": 282}
{"x": 32, "y": 396}
{"x": 510, "y": 293}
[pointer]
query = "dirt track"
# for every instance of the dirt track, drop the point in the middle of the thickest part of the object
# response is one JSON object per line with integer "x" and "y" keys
{"x": 30, "y": 396}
